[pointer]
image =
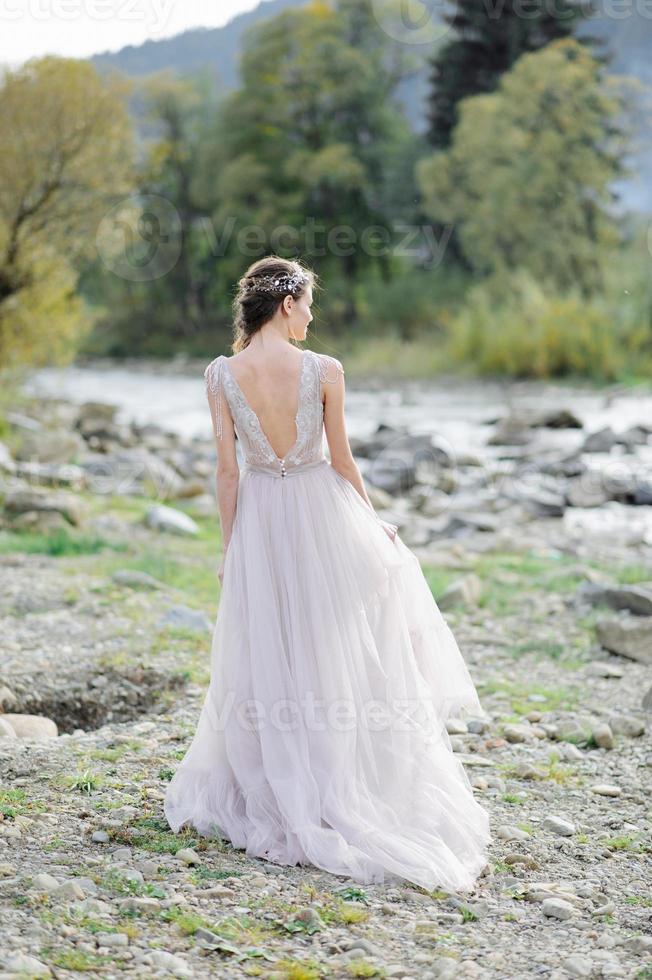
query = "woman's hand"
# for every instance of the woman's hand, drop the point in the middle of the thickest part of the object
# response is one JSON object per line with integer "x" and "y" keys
{"x": 390, "y": 529}
{"x": 220, "y": 571}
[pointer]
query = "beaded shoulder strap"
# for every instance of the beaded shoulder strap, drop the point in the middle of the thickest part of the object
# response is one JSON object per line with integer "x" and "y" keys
{"x": 213, "y": 379}
{"x": 326, "y": 365}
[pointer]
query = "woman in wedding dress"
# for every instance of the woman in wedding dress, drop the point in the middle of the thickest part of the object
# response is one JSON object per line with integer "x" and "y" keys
{"x": 321, "y": 740}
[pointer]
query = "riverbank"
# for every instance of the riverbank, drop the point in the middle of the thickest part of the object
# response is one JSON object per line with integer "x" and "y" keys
{"x": 109, "y": 550}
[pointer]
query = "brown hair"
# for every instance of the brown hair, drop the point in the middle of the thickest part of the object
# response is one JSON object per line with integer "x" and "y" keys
{"x": 253, "y": 307}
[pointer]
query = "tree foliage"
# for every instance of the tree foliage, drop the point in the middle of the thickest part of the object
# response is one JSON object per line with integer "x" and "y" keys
{"x": 485, "y": 41}
{"x": 66, "y": 158}
{"x": 526, "y": 181}
{"x": 309, "y": 136}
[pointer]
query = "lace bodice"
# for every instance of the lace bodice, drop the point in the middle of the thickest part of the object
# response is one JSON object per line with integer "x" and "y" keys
{"x": 308, "y": 446}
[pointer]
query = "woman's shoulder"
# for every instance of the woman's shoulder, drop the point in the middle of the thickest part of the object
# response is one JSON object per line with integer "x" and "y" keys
{"x": 330, "y": 367}
{"x": 212, "y": 373}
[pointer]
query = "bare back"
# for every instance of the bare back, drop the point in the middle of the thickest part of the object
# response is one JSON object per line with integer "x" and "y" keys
{"x": 270, "y": 385}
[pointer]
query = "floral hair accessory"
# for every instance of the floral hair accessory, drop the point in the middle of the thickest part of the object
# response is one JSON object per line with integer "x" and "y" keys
{"x": 285, "y": 283}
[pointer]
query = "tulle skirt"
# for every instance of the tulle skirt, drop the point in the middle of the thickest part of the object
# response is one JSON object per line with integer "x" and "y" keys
{"x": 322, "y": 739}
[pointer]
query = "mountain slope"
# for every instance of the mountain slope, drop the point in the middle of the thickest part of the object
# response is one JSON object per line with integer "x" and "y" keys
{"x": 215, "y": 50}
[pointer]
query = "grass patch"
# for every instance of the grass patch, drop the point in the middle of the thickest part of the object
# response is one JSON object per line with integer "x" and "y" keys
{"x": 214, "y": 874}
{"x": 468, "y": 914}
{"x": 15, "y": 802}
{"x": 643, "y": 900}
{"x": 339, "y": 912}
{"x": 121, "y": 885}
{"x": 76, "y": 960}
{"x": 244, "y": 930}
{"x": 186, "y": 922}
{"x": 635, "y": 843}
{"x": 84, "y": 781}
{"x": 352, "y": 894}
{"x": 154, "y": 835}
{"x": 58, "y": 544}
{"x": 291, "y": 969}
{"x": 517, "y": 694}
{"x": 363, "y": 968}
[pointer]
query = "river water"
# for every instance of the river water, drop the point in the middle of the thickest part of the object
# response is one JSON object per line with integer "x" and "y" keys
{"x": 459, "y": 414}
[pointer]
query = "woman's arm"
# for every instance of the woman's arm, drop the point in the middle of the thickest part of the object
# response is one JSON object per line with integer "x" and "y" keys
{"x": 338, "y": 441}
{"x": 228, "y": 471}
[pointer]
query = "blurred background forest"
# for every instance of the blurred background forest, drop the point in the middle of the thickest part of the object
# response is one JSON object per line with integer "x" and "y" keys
{"x": 474, "y": 193}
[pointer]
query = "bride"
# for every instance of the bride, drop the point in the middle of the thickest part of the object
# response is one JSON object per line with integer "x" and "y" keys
{"x": 322, "y": 737}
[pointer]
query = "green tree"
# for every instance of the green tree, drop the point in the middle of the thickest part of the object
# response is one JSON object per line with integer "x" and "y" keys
{"x": 177, "y": 115}
{"x": 486, "y": 42}
{"x": 66, "y": 158}
{"x": 179, "y": 110}
{"x": 526, "y": 181}
{"x": 301, "y": 151}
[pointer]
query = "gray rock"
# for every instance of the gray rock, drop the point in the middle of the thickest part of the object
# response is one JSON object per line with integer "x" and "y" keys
{"x": 627, "y": 725}
{"x": 602, "y": 668}
{"x": 606, "y": 789}
{"x": 31, "y": 726}
{"x": 578, "y": 494}
{"x": 139, "y": 904}
{"x": 135, "y": 579}
{"x": 630, "y": 636}
{"x": 578, "y": 965}
{"x": 517, "y": 733}
{"x": 50, "y": 446}
{"x": 477, "y": 726}
{"x": 66, "y": 504}
{"x": 25, "y": 965}
{"x": 456, "y": 726}
{"x": 44, "y": 882}
{"x": 170, "y": 963}
{"x": 556, "y": 418}
{"x": 572, "y": 730}
{"x": 509, "y": 832}
{"x": 633, "y": 598}
{"x": 6, "y": 731}
{"x": 68, "y": 891}
{"x": 163, "y": 518}
{"x": 570, "y": 752}
{"x": 601, "y": 441}
{"x": 639, "y": 944}
{"x": 559, "y": 826}
{"x": 603, "y": 735}
{"x": 112, "y": 939}
{"x": 392, "y": 472}
{"x": 463, "y": 591}
{"x": 557, "y": 908}
{"x": 183, "y": 617}
{"x": 96, "y": 410}
{"x": 607, "y": 909}
{"x": 52, "y": 474}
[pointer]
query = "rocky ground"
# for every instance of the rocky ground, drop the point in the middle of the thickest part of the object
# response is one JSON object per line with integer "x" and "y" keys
{"x": 107, "y": 601}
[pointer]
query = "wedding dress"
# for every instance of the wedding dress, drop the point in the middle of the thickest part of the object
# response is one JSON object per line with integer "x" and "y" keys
{"x": 322, "y": 738}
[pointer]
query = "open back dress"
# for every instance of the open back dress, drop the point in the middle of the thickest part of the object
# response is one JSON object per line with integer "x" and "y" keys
{"x": 322, "y": 736}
